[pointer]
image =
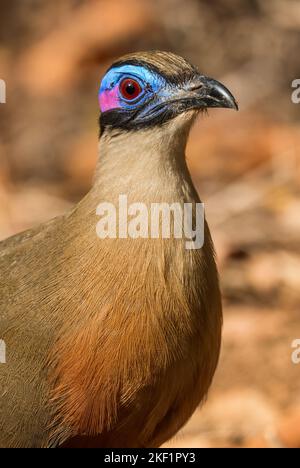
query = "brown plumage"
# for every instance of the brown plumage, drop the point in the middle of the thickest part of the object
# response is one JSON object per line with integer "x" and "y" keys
{"x": 112, "y": 342}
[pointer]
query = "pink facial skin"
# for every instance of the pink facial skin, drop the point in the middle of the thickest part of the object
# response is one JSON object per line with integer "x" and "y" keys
{"x": 109, "y": 99}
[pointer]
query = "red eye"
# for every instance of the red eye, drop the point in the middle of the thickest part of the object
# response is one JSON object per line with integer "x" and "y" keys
{"x": 130, "y": 89}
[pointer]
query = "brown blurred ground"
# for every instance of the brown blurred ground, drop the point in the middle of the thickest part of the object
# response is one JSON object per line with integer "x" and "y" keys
{"x": 246, "y": 167}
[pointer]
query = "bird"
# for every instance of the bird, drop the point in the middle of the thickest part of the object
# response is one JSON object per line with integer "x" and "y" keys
{"x": 113, "y": 342}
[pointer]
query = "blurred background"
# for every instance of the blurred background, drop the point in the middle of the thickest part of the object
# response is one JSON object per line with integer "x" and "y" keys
{"x": 245, "y": 165}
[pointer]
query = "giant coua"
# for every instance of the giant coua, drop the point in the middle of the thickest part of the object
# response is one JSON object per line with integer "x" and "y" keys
{"x": 114, "y": 342}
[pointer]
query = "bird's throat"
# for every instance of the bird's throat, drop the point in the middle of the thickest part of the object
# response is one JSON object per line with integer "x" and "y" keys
{"x": 148, "y": 165}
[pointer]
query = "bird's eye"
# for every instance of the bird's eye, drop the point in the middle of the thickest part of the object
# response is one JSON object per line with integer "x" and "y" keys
{"x": 130, "y": 89}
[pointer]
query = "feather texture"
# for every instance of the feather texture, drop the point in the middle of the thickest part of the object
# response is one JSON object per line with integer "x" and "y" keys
{"x": 112, "y": 342}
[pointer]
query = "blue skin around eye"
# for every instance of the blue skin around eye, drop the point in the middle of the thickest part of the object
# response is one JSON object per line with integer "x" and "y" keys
{"x": 142, "y": 75}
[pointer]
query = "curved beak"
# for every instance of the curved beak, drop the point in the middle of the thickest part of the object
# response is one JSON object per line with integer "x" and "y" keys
{"x": 207, "y": 92}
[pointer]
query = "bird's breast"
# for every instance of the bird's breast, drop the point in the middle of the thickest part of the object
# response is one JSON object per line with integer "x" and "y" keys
{"x": 144, "y": 326}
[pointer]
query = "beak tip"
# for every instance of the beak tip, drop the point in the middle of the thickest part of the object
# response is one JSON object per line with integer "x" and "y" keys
{"x": 218, "y": 95}
{"x": 224, "y": 96}
{"x": 235, "y": 105}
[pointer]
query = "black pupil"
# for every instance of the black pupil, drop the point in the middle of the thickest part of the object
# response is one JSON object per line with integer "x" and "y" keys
{"x": 130, "y": 89}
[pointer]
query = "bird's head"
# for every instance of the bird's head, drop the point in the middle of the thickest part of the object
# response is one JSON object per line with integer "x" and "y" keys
{"x": 148, "y": 89}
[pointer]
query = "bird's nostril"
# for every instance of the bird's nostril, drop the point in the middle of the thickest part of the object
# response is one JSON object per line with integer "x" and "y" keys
{"x": 195, "y": 86}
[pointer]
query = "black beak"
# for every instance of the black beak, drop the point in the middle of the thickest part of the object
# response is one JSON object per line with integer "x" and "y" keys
{"x": 211, "y": 93}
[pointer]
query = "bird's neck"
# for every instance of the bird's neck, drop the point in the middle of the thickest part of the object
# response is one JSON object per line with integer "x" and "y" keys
{"x": 149, "y": 164}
